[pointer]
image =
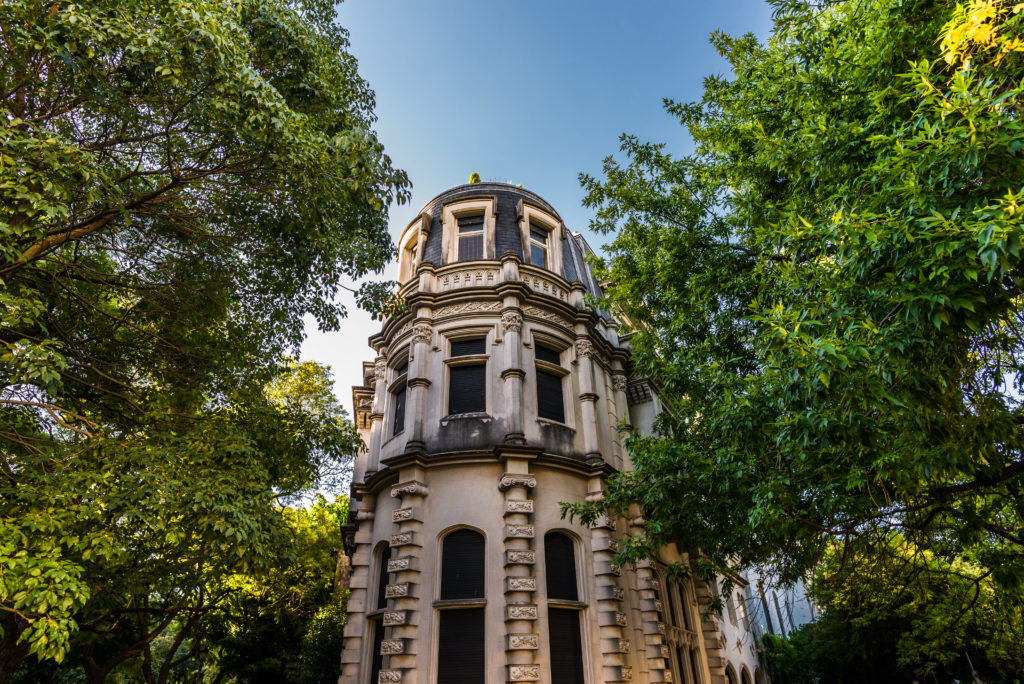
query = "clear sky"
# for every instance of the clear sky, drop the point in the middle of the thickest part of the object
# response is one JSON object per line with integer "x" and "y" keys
{"x": 526, "y": 92}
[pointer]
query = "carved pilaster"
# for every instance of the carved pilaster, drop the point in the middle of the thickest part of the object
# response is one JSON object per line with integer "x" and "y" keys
{"x": 653, "y": 624}
{"x": 609, "y": 594}
{"x": 521, "y": 611}
{"x": 512, "y": 372}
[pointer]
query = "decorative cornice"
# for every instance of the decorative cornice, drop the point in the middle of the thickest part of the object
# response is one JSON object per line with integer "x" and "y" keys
{"x": 418, "y": 382}
{"x": 588, "y": 396}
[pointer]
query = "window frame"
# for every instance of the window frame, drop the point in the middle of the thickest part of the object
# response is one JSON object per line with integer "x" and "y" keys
{"x": 561, "y": 348}
{"x": 463, "y": 207}
{"x": 530, "y": 216}
{"x": 399, "y": 383}
{"x": 578, "y": 606}
{"x": 466, "y": 360}
{"x": 440, "y": 605}
{"x": 374, "y": 616}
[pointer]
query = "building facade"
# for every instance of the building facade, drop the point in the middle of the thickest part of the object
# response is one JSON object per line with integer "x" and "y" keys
{"x": 500, "y": 394}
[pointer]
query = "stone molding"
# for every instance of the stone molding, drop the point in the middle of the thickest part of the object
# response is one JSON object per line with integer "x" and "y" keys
{"x": 513, "y": 373}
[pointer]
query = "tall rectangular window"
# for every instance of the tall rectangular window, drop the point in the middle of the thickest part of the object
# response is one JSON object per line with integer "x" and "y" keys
{"x": 470, "y": 237}
{"x": 564, "y": 611}
{"x": 398, "y": 397}
{"x": 550, "y": 403}
{"x": 461, "y": 628}
{"x": 467, "y": 377}
{"x": 538, "y": 246}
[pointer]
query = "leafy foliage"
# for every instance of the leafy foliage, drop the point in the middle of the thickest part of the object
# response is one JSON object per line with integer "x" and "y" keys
{"x": 180, "y": 184}
{"x": 827, "y": 293}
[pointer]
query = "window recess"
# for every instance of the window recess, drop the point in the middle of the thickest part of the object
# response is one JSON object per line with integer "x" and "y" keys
{"x": 550, "y": 378}
{"x": 470, "y": 237}
{"x": 467, "y": 376}
{"x": 539, "y": 245}
{"x": 461, "y": 628}
{"x": 399, "y": 394}
{"x": 564, "y": 610}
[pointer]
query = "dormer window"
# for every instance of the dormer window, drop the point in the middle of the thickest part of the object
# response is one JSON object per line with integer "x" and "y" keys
{"x": 538, "y": 245}
{"x": 470, "y": 237}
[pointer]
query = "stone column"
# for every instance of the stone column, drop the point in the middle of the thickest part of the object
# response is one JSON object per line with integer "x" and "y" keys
{"x": 588, "y": 400}
{"x": 404, "y": 616}
{"x": 623, "y": 427}
{"x": 359, "y": 596}
{"x": 651, "y": 609}
{"x": 380, "y": 387}
{"x": 521, "y": 612}
{"x": 512, "y": 374}
{"x": 422, "y": 334}
{"x": 611, "y": 618}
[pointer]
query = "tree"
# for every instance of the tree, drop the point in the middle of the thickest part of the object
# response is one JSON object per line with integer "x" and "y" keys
{"x": 901, "y": 613}
{"x": 827, "y": 292}
{"x": 180, "y": 184}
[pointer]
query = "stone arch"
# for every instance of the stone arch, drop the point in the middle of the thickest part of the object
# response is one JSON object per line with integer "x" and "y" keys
{"x": 745, "y": 676}
{"x": 730, "y": 674}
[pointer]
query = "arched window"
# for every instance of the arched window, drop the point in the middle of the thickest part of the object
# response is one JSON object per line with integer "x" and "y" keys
{"x": 460, "y": 647}
{"x": 381, "y": 602}
{"x": 730, "y": 674}
{"x": 745, "y": 676}
{"x": 564, "y": 609}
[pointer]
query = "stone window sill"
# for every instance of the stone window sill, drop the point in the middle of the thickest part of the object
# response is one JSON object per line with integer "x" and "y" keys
{"x": 461, "y": 603}
{"x": 479, "y": 415}
{"x": 565, "y": 603}
{"x": 555, "y": 423}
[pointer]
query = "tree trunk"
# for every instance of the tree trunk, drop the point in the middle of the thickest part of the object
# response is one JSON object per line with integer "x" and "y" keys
{"x": 12, "y": 654}
{"x": 342, "y": 572}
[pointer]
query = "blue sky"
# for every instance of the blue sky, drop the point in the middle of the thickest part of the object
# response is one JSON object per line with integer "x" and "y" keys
{"x": 528, "y": 92}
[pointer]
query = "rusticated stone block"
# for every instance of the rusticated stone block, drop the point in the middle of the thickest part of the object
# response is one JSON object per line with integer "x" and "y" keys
{"x": 519, "y": 532}
{"x": 403, "y": 563}
{"x": 605, "y": 522}
{"x": 396, "y": 590}
{"x": 394, "y": 617}
{"x": 522, "y": 642}
{"x": 605, "y": 543}
{"x": 604, "y": 568}
{"x": 612, "y": 618}
{"x": 658, "y": 606}
{"x": 389, "y": 676}
{"x": 520, "y": 557}
{"x": 516, "y": 506}
{"x": 523, "y": 673}
{"x": 520, "y": 611}
{"x": 392, "y": 646}
{"x": 520, "y": 584}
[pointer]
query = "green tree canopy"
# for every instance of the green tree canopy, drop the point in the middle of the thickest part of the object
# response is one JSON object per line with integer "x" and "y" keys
{"x": 181, "y": 183}
{"x": 827, "y": 292}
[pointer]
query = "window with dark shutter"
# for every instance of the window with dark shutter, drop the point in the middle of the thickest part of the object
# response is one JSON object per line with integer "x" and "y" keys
{"x": 378, "y": 659}
{"x": 550, "y": 403}
{"x": 467, "y": 384}
{"x": 560, "y": 566}
{"x": 462, "y": 565}
{"x": 382, "y": 578}
{"x": 471, "y": 237}
{"x": 467, "y": 391}
{"x": 377, "y": 625}
{"x": 563, "y": 621}
{"x": 566, "y": 651}
{"x": 460, "y": 648}
{"x": 399, "y": 397}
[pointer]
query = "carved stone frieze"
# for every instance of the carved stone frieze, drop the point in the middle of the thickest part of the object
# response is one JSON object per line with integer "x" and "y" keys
{"x": 523, "y": 642}
{"x": 401, "y": 538}
{"x": 402, "y": 514}
{"x": 480, "y": 277}
{"x": 524, "y": 673}
{"x": 396, "y": 590}
{"x": 520, "y": 557}
{"x": 509, "y": 480}
{"x": 520, "y": 584}
{"x": 525, "y": 506}
{"x": 398, "y": 564}
{"x": 409, "y": 488}
{"x": 392, "y": 646}
{"x": 389, "y": 676}
{"x": 519, "y": 611}
{"x": 519, "y": 532}
{"x": 511, "y": 321}
{"x": 543, "y": 285}
{"x": 549, "y": 316}
{"x": 394, "y": 617}
{"x": 466, "y": 307}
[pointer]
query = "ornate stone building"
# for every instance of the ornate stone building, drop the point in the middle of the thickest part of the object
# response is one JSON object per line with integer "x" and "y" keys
{"x": 501, "y": 393}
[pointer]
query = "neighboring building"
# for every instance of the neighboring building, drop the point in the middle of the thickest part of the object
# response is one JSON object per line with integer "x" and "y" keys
{"x": 501, "y": 394}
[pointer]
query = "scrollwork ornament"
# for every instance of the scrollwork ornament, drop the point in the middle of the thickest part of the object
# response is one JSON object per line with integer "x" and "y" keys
{"x": 512, "y": 321}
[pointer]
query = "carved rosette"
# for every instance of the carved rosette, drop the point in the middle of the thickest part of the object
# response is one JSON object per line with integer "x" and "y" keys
{"x": 422, "y": 332}
{"x": 511, "y": 321}
{"x": 584, "y": 349}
